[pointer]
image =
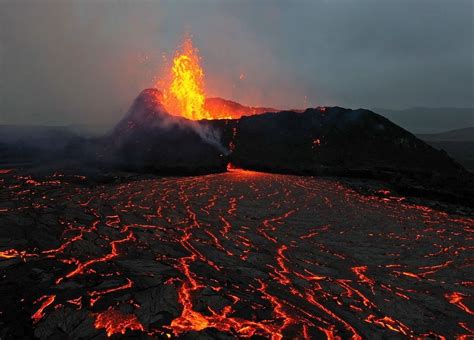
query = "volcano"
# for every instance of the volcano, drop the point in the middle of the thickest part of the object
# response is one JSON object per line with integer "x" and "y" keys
{"x": 245, "y": 251}
{"x": 198, "y": 217}
{"x": 317, "y": 141}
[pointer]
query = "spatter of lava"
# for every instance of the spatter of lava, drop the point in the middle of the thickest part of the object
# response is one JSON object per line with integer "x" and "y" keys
{"x": 243, "y": 253}
{"x": 116, "y": 322}
{"x": 183, "y": 93}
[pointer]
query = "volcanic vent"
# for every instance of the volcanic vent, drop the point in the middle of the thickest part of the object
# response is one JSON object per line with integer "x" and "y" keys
{"x": 179, "y": 130}
{"x": 183, "y": 91}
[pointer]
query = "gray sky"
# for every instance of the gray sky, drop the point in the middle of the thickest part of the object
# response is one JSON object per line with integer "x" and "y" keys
{"x": 83, "y": 62}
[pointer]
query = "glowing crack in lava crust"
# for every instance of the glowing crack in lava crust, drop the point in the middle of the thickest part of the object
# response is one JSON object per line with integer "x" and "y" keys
{"x": 238, "y": 254}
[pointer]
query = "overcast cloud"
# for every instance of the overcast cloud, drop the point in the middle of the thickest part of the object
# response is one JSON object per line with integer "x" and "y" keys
{"x": 83, "y": 62}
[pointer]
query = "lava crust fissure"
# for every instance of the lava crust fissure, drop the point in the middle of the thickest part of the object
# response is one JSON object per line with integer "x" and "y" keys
{"x": 234, "y": 254}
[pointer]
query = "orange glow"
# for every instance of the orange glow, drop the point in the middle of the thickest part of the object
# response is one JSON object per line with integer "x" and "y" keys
{"x": 239, "y": 171}
{"x": 127, "y": 285}
{"x": 116, "y": 322}
{"x": 13, "y": 253}
{"x": 388, "y": 322}
{"x": 456, "y": 299}
{"x": 9, "y": 254}
{"x": 295, "y": 297}
{"x": 185, "y": 94}
{"x": 47, "y": 300}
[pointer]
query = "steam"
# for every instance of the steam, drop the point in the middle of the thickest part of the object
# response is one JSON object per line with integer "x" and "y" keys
{"x": 148, "y": 112}
{"x": 209, "y": 135}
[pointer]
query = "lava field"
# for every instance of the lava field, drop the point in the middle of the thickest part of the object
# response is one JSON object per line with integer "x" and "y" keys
{"x": 237, "y": 254}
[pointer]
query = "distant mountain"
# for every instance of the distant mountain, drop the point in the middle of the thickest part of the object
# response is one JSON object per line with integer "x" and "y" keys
{"x": 36, "y": 137}
{"x": 459, "y": 144}
{"x": 33, "y": 133}
{"x": 21, "y": 144}
{"x": 430, "y": 120}
{"x": 459, "y": 135}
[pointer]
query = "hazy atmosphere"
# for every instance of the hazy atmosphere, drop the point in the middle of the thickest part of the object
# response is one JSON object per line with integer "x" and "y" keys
{"x": 83, "y": 62}
{"x": 236, "y": 169}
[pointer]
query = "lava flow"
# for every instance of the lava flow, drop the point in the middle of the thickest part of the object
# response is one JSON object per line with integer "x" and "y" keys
{"x": 239, "y": 254}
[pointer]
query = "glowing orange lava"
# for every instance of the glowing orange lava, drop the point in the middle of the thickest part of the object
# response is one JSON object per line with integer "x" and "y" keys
{"x": 47, "y": 300}
{"x": 185, "y": 96}
{"x": 116, "y": 322}
{"x": 457, "y": 299}
{"x": 183, "y": 91}
{"x": 230, "y": 270}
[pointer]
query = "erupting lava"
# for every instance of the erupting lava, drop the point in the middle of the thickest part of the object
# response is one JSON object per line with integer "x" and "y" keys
{"x": 183, "y": 91}
{"x": 184, "y": 95}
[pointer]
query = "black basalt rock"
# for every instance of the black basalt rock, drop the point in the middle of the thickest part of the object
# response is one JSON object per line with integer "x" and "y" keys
{"x": 330, "y": 141}
{"x": 344, "y": 142}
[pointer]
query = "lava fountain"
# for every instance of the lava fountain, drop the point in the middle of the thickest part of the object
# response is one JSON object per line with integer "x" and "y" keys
{"x": 183, "y": 90}
{"x": 184, "y": 95}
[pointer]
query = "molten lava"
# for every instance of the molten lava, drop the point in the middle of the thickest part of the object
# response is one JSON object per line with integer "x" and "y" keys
{"x": 116, "y": 322}
{"x": 184, "y": 95}
{"x": 238, "y": 255}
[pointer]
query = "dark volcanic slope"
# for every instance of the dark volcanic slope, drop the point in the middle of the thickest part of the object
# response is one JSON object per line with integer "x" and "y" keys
{"x": 339, "y": 141}
{"x": 321, "y": 141}
{"x": 148, "y": 138}
{"x": 235, "y": 254}
{"x": 335, "y": 138}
